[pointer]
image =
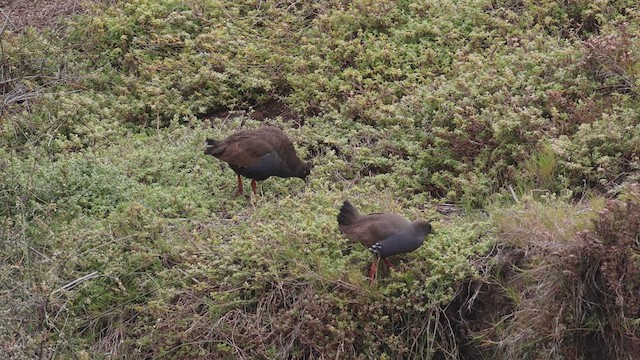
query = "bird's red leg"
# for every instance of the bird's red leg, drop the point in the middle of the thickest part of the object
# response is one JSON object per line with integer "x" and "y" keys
{"x": 373, "y": 271}
{"x": 239, "y": 192}
{"x": 253, "y": 186}
{"x": 390, "y": 264}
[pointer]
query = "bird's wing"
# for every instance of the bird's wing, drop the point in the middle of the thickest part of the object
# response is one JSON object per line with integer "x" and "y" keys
{"x": 288, "y": 153}
{"x": 244, "y": 149}
{"x": 373, "y": 228}
{"x": 281, "y": 143}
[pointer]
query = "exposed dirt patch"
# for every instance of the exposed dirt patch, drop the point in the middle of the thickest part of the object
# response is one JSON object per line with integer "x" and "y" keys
{"x": 480, "y": 305}
{"x": 476, "y": 309}
{"x": 272, "y": 109}
{"x": 268, "y": 110}
{"x": 373, "y": 170}
{"x": 17, "y": 15}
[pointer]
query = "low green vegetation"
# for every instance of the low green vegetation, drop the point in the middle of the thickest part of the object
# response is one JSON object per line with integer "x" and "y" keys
{"x": 513, "y": 127}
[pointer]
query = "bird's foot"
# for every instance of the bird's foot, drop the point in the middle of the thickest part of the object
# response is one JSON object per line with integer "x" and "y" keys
{"x": 253, "y": 187}
{"x": 390, "y": 264}
{"x": 239, "y": 191}
{"x": 373, "y": 272}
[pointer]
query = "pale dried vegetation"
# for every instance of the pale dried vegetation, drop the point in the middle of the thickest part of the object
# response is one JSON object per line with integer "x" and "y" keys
{"x": 39, "y": 14}
{"x": 569, "y": 273}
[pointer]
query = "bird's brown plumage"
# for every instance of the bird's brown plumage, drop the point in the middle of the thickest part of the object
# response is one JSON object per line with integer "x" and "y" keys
{"x": 245, "y": 147}
{"x": 384, "y": 234}
{"x": 259, "y": 154}
{"x": 371, "y": 228}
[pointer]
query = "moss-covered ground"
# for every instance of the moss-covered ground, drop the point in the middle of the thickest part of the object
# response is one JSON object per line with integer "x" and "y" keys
{"x": 513, "y": 126}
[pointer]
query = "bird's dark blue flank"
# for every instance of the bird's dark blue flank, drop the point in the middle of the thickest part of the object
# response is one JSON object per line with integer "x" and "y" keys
{"x": 264, "y": 167}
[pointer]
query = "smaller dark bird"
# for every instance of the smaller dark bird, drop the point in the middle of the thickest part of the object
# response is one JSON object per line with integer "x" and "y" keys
{"x": 384, "y": 234}
{"x": 259, "y": 154}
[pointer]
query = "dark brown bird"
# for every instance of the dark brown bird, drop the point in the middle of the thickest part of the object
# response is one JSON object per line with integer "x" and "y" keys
{"x": 384, "y": 234}
{"x": 259, "y": 154}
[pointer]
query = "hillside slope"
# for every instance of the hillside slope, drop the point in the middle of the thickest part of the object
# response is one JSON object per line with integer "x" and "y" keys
{"x": 512, "y": 126}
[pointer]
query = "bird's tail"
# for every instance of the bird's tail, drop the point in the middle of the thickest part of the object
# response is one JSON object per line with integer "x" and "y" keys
{"x": 347, "y": 214}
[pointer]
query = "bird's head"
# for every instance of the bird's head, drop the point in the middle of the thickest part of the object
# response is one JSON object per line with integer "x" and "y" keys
{"x": 210, "y": 145}
{"x": 304, "y": 170}
{"x": 424, "y": 227}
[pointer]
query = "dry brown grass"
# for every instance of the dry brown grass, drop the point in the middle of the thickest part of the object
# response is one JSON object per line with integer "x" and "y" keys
{"x": 39, "y": 14}
{"x": 570, "y": 274}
